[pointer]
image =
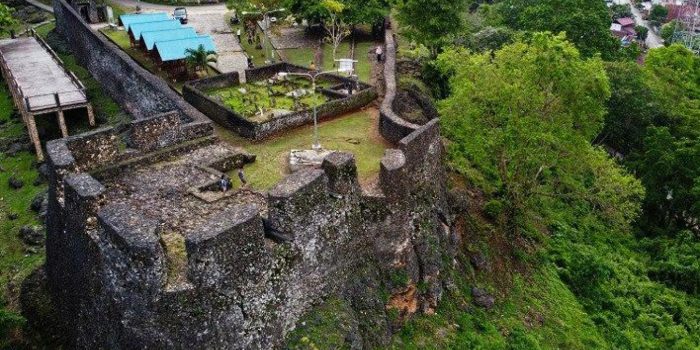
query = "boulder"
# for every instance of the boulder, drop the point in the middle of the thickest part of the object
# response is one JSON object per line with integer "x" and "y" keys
{"x": 478, "y": 260}
{"x": 16, "y": 148}
{"x": 482, "y": 298}
{"x": 15, "y": 182}
{"x": 32, "y": 235}
{"x": 40, "y": 204}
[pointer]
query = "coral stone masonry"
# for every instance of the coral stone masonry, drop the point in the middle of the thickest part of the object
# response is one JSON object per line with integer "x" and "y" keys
{"x": 144, "y": 250}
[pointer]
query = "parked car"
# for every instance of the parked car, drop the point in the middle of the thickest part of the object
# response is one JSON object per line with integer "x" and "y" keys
{"x": 180, "y": 13}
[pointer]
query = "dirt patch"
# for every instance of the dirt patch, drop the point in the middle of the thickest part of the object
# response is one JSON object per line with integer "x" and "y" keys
{"x": 406, "y": 301}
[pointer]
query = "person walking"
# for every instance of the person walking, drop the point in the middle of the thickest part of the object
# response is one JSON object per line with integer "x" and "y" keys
{"x": 224, "y": 183}
{"x": 238, "y": 34}
{"x": 380, "y": 52}
{"x": 241, "y": 176}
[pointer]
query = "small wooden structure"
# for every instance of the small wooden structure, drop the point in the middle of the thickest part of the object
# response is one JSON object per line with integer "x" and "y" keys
{"x": 40, "y": 84}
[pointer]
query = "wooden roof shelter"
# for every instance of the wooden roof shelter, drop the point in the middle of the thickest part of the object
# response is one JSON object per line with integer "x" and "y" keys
{"x": 40, "y": 84}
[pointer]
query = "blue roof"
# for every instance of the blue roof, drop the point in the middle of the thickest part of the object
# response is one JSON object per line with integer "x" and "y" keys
{"x": 151, "y": 37}
{"x": 137, "y": 28}
{"x": 172, "y": 50}
{"x": 131, "y": 18}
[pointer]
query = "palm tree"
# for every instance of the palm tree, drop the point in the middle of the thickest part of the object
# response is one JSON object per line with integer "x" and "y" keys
{"x": 199, "y": 58}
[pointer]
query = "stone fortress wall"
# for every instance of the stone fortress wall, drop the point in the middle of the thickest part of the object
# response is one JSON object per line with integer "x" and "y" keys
{"x": 251, "y": 271}
{"x": 250, "y": 274}
{"x": 391, "y": 125}
{"x": 195, "y": 93}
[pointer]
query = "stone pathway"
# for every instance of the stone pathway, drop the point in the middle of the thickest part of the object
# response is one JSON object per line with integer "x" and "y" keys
{"x": 291, "y": 38}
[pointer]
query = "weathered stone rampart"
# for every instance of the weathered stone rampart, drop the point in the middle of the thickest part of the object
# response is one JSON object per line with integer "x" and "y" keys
{"x": 245, "y": 275}
{"x": 144, "y": 252}
{"x": 391, "y": 126}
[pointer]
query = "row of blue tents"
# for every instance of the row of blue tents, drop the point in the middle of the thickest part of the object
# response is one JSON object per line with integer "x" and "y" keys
{"x": 164, "y": 37}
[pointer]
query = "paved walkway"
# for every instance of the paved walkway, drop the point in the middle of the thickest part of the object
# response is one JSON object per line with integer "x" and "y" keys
{"x": 39, "y": 75}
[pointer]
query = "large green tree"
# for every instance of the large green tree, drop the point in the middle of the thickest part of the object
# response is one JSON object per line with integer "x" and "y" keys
{"x": 585, "y": 22}
{"x": 523, "y": 117}
{"x": 355, "y": 12}
{"x": 433, "y": 23}
{"x": 631, "y": 108}
{"x": 668, "y": 161}
{"x": 7, "y": 21}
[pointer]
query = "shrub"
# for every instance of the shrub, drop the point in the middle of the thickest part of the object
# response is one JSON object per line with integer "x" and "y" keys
{"x": 493, "y": 208}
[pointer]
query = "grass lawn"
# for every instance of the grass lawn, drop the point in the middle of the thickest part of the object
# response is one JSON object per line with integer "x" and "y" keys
{"x": 356, "y": 133}
{"x": 118, "y": 9}
{"x": 257, "y": 96}
{"x": 258, "y": 55}
{"x": 15, "y": 262}
{"x": 363, "y": 67}
{"x": 121, "y": 38}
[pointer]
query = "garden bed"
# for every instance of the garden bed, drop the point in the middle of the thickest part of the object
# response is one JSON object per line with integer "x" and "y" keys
{"x": 265, "y": 106}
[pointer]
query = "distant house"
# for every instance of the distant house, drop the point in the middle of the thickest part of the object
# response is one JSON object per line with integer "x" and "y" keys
{"x": 623, "y": 28}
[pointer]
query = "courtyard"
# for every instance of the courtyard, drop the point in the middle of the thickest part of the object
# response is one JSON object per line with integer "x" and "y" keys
{"x": 356, "y": 133}
{"x": 258, "y": 101}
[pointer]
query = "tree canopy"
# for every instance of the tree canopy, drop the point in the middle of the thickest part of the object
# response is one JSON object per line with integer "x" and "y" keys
{"x": 7, "y": 21}
{"x": 354, "y": 12}
{"x": 432, "y": 23}
{"x": 524, "y": 116}
{"x": 585, "y": 22}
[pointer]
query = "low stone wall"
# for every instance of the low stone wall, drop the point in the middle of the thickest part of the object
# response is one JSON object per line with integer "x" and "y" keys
{"x": 194, "y": 93}
{"x": 138, "y": 91}
{"x": 391, "y": 126}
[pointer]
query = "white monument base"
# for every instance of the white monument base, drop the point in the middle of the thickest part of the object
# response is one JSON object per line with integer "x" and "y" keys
{"x": 300, "y": 159}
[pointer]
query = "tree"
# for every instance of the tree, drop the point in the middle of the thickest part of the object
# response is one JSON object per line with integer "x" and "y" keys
{"x": 668, "y": 162}
{"x": 586, "y": 23}
{"x": 631, "y": 108}
{"x": 200, "y": 57}
{"x": 642, "y": 32}
{"x": 355, "y": 12}
{"x": 432, "y": 23}
{"x": 620, "y": 10}
{"x": 7, "y": 21}
{"x": 524, "y": 116}
{"x": 335, "y": 28}
{"x": 658, "y": 14}
{"x": 667, "y": 31}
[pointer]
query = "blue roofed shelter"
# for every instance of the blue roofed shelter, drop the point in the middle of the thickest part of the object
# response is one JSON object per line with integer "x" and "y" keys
{"x": 136, "y": 29}
{"x": 171, "y": 54}
{"x": 128, "y": 19}
{"x": 149, "y": 38}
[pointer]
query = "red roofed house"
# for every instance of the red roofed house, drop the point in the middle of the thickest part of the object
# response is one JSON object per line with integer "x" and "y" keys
{"x": 623, "y": 28}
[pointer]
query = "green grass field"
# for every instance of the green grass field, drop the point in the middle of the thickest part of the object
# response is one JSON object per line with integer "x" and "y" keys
{"x": 257, "y": 97}
{"x": 363, "y": 67}
{"x": 355, "y": 133}
{"x": 15, "y": 261}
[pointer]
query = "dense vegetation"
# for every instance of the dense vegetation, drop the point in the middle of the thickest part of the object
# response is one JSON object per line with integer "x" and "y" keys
{"x": 580, "y": 165}
{"x": 585, "y": 163}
